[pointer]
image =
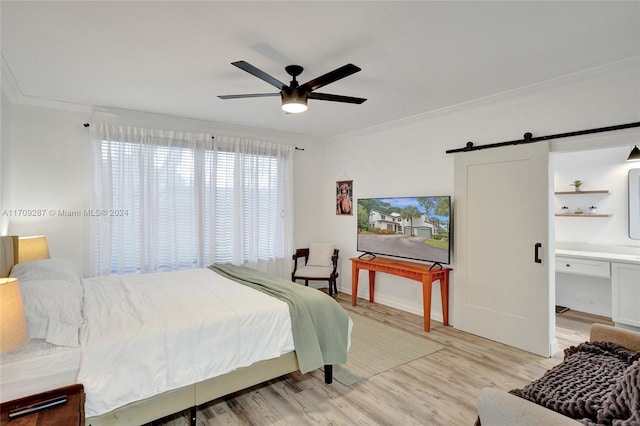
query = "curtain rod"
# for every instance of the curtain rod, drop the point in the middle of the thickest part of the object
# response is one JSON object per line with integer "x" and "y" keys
{"x": 528, "y": 137}
{"x": 212, "y": 137}
{"x": 87, "y": 125}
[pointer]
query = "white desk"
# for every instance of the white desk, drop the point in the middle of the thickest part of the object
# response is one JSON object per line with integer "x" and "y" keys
{"x": 600, "y": 255}
{"x": 618, "y": 264}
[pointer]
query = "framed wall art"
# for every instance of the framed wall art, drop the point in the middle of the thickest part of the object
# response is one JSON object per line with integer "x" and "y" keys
{"x": 344, "y": 197}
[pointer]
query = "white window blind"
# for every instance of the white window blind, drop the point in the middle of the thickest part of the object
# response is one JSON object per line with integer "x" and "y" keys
{"x": 171, "y": 200}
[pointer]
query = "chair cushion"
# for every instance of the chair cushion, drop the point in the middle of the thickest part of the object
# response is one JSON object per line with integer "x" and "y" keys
{"x": 320, "y": 254}
{"x": 314, "y": 271}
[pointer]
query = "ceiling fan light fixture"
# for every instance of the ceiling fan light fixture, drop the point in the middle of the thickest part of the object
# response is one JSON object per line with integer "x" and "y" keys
{"x": 294, "y": 102}
{"x": 295, "y": 95}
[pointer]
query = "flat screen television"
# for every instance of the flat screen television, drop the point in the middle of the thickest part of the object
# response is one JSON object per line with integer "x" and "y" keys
{"x": 417, "y": 228}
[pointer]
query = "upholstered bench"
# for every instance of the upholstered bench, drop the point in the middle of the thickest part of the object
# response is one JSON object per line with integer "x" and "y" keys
{"x": 597, "y": 383}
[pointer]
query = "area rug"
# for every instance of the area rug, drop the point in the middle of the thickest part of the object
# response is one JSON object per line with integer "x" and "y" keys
{"x": 377, "y": 347}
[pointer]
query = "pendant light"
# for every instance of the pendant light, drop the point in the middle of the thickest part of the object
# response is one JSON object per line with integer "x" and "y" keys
{"x": 634, "y": 155}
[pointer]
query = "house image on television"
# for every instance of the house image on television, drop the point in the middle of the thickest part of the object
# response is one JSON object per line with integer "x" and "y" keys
{"x": 394, "y": 223}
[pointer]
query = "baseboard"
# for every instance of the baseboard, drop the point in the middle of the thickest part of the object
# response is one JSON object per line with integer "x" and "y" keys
{"x": 554, "y": 347}
{"x": 398, "y": 304}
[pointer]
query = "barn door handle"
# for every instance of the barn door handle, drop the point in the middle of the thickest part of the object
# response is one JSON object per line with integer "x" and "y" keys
{"x": 536, "y": 256}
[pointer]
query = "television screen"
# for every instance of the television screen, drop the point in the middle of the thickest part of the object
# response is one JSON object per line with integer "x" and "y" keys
{"x": 416, "y": 228}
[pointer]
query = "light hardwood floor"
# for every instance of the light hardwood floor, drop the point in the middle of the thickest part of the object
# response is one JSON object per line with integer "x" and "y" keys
{"x": 438, "y": 389}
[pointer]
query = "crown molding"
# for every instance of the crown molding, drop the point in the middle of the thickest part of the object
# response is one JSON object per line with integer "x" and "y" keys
{"x": 631, "y": 64}
{"x": 12, "y": 91}
{"x": 8, "y": 83}
{"x": 113, "y": 114}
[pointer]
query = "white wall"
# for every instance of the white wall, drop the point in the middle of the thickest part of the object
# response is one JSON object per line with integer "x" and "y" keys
{"x": 408, "y": 157}
{"x": 49, "y": 171}
{"x": 598, "y": 169}
{"x": 309, "y": 186}
{"x": 5, "y": 109}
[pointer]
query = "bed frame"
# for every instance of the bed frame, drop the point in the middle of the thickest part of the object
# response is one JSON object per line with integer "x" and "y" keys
{"x": 184, "y": 398}
{"x": 189, "y": 397}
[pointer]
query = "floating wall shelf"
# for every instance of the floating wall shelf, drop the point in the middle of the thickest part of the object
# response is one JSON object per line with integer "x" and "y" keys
{"x": 593, "y": 192}
{"x": 584, "y": 214}
{"x": 597, "y": 191}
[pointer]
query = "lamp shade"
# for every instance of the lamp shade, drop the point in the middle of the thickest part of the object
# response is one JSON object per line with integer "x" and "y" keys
{"x": 294, "y": 102}
{"x": 13, "y": 322}
{"x": 634, "y": 155}
{"x": 32, "y": 248}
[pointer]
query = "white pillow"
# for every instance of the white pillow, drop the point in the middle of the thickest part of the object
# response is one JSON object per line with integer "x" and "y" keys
{"x": 46, "y": 269}
{"x": 54, "y": 310}
{"x": 52, "y": 295}
{"x": 320, "y": 254}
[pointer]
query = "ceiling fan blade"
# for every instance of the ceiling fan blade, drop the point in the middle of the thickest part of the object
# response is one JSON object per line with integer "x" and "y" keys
{"x": 249, "y": 95}
{"x": 260, "y": 74}
{"x": 335, "y": 98}
{"x": 330, "y": 77}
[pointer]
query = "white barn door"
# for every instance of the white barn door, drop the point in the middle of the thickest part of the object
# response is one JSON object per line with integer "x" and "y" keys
{"x": 503, "y": 257}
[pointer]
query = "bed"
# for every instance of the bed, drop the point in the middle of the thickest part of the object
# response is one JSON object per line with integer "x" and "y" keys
{"x": 151, "y": 345}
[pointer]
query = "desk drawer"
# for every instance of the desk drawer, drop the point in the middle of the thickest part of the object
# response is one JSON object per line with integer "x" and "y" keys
{"x": 594, "y": 268}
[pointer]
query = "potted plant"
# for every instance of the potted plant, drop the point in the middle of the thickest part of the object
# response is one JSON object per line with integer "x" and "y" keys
{"x": 577, "y": 184}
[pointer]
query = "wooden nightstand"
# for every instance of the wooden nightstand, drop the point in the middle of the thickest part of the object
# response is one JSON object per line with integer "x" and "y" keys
{"x": 63, "y": 406}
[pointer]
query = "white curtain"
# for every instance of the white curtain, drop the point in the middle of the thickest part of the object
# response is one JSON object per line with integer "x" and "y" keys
{"x": 253, "y": 208}
{"x": 165, "y": 200}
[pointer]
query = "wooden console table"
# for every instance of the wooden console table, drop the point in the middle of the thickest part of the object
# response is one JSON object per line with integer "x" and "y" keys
{"x": 414, "y": 271}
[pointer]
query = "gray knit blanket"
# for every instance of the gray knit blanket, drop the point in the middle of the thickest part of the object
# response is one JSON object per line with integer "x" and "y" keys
{"x": 596, "y": 384}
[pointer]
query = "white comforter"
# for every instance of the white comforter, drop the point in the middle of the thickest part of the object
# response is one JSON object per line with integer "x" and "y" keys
{"x": 146, "y": 334}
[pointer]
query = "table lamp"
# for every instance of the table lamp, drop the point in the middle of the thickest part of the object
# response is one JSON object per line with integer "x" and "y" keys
{"x": 13, "y": 322}
{"x": 15, "y": 333}
{"x": 32, "y": 248}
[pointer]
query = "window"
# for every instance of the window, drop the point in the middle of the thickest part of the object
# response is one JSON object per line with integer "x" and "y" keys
{"x": 170, "y": 200}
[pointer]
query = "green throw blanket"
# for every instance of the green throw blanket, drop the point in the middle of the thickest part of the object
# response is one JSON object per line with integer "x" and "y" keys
{"x": 319, "y": 324}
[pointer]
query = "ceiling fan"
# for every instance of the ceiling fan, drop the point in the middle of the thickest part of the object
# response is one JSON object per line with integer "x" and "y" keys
{"x": 294, "y": 96}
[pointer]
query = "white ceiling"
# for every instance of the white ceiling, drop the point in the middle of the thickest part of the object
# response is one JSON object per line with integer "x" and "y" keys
{"x": 174, "y": 57}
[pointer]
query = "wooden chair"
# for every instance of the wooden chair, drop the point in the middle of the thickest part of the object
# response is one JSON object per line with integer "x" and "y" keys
{"x": 311, "y": 272}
